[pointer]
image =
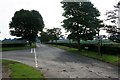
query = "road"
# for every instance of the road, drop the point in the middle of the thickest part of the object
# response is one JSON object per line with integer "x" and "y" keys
{"x": 57, "y": 63}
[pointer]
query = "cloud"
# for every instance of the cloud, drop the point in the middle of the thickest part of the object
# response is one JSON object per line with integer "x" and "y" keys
{"x": 50, "y": 10}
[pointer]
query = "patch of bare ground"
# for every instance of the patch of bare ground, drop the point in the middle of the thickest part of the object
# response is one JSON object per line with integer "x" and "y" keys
{"x": 5, "y": 71}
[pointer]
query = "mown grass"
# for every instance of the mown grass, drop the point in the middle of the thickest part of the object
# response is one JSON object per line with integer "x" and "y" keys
{"x": 22, "y": 71}
{"x": 17, "y": 48}
{"x": 105, "y": 57}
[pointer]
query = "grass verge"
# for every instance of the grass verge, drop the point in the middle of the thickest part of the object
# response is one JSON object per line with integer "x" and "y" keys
{"x": 106, "y": 57}
{"x": 21, "y": 71}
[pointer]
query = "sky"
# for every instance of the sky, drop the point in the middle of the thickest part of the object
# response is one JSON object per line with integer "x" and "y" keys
{"x": 50, "y": 10}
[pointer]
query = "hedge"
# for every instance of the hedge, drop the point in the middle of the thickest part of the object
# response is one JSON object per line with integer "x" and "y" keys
{"x": 14, "y": 45}
{"x": 106, "y": 49}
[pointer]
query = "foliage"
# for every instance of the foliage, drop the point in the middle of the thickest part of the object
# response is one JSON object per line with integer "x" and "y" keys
{"x": 13, "y": 47}
{"x": 113, "y": 59}
{"x": 44, "y": 37}
{"x": 112, "y": 49}
{"x": 5, "y": 45}
{"x": 26, "y": 24}
{"x": 81, "y": 20}
{"x": 113, "y": 17}
{"x": 54, "y": 34}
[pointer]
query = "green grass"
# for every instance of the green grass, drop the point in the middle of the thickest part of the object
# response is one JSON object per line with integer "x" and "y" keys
{"x": 106, "y": 58}
{"x": 17, "y": 48}
{"x": 19, "y": 70}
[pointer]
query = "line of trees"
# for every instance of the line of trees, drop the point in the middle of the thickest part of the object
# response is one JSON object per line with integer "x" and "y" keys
{"x": 51, "y": 35}
{"x": 114, "y": 17}
{"x": 81, "y": 20}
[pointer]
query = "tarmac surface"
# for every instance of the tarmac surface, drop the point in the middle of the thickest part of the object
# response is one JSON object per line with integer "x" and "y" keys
{"x": 57, "y": 63}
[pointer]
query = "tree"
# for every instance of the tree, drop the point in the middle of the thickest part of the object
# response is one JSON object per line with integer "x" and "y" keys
{"x": 26, "y": 24}
{"x": 81, "y": 20}
{"x": 54, "y": 34}
{"x": 113, "y": 17}
{"x": 44, "y": 37}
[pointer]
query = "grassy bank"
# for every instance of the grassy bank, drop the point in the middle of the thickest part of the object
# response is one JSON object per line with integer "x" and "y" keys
{"x": 16, "y": 48}
{"x": 106, "y": 57}
{"x": 21, "y": 71}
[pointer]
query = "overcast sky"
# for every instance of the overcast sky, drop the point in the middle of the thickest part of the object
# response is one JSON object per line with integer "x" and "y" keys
{"x": 50, "y": 10}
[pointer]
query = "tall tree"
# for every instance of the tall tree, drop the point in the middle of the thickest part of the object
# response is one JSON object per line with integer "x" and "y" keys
{"x": 26, "y": 24}
{"x": 54, "y": 34}
{"x": 81, "y": 20}
{"x": 114, "y": 17}
{"x": 44, "y": 37}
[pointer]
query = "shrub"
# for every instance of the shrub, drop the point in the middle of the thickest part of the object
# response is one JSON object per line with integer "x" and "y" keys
{"x": 14, "y": 45}
{"x": 106, "y": 49}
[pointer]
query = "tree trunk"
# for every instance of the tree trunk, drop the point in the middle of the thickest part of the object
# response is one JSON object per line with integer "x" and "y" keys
{"x": 99, "y": 47}
{"x": 78, "y": 44}
{"x": 70, "y": 43}
{"x": 56, "y": 41}
{"x": 99, "y": 42}
{"x": 52, "y": 41}
{"x": 30, "y": 42}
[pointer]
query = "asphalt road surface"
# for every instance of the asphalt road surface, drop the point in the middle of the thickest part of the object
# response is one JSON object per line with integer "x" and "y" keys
{"x": 57, "y": 63}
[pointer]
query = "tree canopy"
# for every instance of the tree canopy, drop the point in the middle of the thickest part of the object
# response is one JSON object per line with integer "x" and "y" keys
{"x": 26, "y": 24}
{"x": 44, "y": 37}
{"x": 81, "y": 20}
{"x": 54, "y": 33}
{"x": 113, "y": 17}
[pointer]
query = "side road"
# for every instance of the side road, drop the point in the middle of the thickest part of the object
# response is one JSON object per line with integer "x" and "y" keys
{"x": 57, "y": 63}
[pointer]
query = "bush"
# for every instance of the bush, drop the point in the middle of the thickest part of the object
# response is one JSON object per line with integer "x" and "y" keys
{"x": 106, "y": 49}
{"x": 14, "y": 45}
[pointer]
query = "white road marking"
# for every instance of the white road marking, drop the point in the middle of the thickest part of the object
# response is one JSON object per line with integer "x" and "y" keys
{"x": 36, "y": 61}
{"x": 31, "y": 50}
